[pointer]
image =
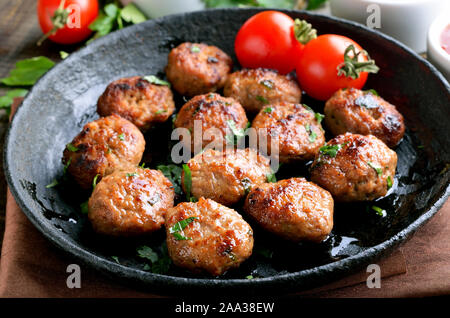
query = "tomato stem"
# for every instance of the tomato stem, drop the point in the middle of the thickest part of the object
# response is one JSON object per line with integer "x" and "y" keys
{"x": 351, "y": 67}
{"x": 304, "y": 31}
{"x": 59, "y": 20}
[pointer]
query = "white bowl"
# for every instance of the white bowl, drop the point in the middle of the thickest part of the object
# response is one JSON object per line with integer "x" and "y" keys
{"x": 406, "y": 20}
{"x": 159, "y": 8}
{"x": 435, "y": 53}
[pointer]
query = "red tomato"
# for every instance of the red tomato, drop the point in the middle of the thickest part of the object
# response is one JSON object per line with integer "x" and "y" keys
{"x": 267, "y": 40}
{"x": 82, "y": 13}
{"x": 317, "y": 68}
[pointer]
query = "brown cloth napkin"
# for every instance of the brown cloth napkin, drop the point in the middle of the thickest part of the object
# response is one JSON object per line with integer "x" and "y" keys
{"x": 30, "y": 266}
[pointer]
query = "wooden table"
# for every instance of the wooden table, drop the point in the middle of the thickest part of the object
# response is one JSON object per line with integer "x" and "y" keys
{"x": 19, "y": 32}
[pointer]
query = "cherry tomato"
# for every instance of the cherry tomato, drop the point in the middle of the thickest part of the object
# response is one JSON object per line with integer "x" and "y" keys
{"x": 82, "y": 13}
{"x": 320, "y": 61}
{"x": 267, "y": 40}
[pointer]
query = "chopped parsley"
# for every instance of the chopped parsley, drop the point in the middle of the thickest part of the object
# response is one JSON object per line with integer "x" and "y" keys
{"x": 236, "y": 133}
{"x": 147, "y": 253}
{"x": 187, "y": 183}
{"x": 271, "y": 177}
{"x": 72, "y": 148}
{"x": 267, "y": 83}
{"x": 195, "y": 49}
{"x": 152, "y": 79}
{"x": 180, "y": 226}
{"x": 161, "y": 111}
{"x": 249, "y": 277}
{"x": 67, "y": 166}
{"x": 94, "y": 181}
{"x": 319, "y": 117}
{"x": 84, "y": 207}
{"x": 173, "y": 173}
{"x": 268, "y": 109}
{"x": 53, "y": 184}
{"x": 378, "y": 210}
{"x": 378, "y": 170}
{"x": 330, "y": 150}
{"x": 158, "y": 263}
{"x": 116, "y": 259}
{"x": 262, "y": 99}
{"x": 390, "y": 183}
{"x": 372, "y": 91}
{"x": 311, "y": 134}
{"x": 247, "y": 184}
{"x": 132, "y": 174}
{"x": 122, "y": 136}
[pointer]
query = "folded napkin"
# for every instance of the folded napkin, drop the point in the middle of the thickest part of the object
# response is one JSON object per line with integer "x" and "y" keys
{"x": 30, "y": 266}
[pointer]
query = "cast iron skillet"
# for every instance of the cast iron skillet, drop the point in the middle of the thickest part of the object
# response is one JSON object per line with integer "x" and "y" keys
{"x": 65, "y": 99}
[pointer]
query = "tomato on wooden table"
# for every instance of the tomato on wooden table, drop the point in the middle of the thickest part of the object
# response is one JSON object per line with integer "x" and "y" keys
{"x": 331, "y": 62}
{"x": 67, "y": 21}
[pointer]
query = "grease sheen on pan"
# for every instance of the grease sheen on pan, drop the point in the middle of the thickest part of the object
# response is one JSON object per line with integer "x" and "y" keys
{"x": 216, "y": 241}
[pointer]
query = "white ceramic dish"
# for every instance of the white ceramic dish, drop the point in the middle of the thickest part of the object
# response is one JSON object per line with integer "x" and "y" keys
{"x": 406, "y": 20}
{"x": 435, "y": 53}
{"x": 159, "y": 8}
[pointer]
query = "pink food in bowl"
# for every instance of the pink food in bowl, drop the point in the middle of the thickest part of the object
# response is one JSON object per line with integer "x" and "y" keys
{"x": 445, "y": 39}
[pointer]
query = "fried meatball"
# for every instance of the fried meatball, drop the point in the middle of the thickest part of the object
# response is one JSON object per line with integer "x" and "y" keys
{"x": 211, "y": 111}
{"x": 226, "y": 177}
{"x": 365, "y": 113}
{"x": 130, "y": 202}
{"x": 138, "y": 100}
{"x": 294, "y": 209}
{"x": 197, "y": 68}
{"x": 103, "y": 146}
{"x": 216, "y": 240}
{"x": 355, "y": 167}
{"x": 257, "y": 88}
{"x": 297, "y": 128}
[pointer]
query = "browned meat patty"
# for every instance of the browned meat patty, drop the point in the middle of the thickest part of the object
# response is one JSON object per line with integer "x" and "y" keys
{"x": 212, "y": 111}
{"x": 365, "y": 113}
{"x": 138, "y": 100}
{"x": 294, "y": 209}
{"x": 297, "y": 128}
{"x": 257, "y": 88}
{"x": 130, "y": 202}
{"x": 228, "y": 176}
{"x": 217, "y": 238}
{"x": 103, "y": 146}
{"x": 355, "y": 167}
{"x": 197, "y": 68}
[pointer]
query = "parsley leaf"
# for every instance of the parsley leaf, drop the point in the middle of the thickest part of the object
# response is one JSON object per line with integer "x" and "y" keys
{"x": 180, "y": 226}
{"x": 173, "y": 173}
{"x": 155, "y": 80}
{"x": 147, "y": 253}
{"x": 330, "y": 150}
{"x": 195, "y": 49}
{"x": 268, "y": 109}
{"x": 378, "y": 170}
{"x": 84, "y": 207}
{"x": 271, "y": 177}
{"x": 28, "y": 71}
{"x": 262, "y": 99}
{"x": 315, "y": 4}
{"x": 72, "y": 148}
{"x": 131, "y": 14}
{"x": 378, "y": 210}
{"x": 7, "y": 100}
{"x": 94, "y": 182}
{"x": 311, "y": 134}
{"x": 237, "y": 133}
{"x": 53, "y": 184}
{"x": 188, "y": 182}
{"x": 389, "y": 181}
{"x": 122, "y": 136}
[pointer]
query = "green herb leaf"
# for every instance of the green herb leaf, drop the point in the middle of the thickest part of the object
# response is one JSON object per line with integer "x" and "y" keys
{"x": 271, "y": 177}
{"x": 7, "y": 100}
{"x": 122, "y": 136}
{"x": 131, "y": 14}
{"x": 372, "y": 91}
{"x": 378, "y": 210}
{"x": 268, "y": 109}
{"x": 161, "y": 111}
{"x": 187, "y": 182}
{"x": 28, "y": 71}
{"x": 147, "y": 253}
{"x": 315, "y": 4}
{"x": 116, "y": 259}
{"x": 319, "y": 117}
{"x": 180, "y": 226}
{"x": 237, "y": 133}
{"x": 311, "y": 134}
{"x": 389, "y": 181}
{"x": 262, "y": 99}
{"x": 72, "y": 148}
{"x": 247, "y": 184}
{"x": 66, "y": 166}
{"x": 249, "y": 277}
{"x": 155, "y": 80}
{"x": 94, "y": 181}
{"x": 85, "y": 207}
{"x": 173, "y": 173}
{"x": 132, "y": 174}
{"x": 63, "y": 54}
{"x": 378, "y": 170}
{"x": 195, "y": 49}
{"x": 53, "y": 184}
{"x": 330, "y": 150}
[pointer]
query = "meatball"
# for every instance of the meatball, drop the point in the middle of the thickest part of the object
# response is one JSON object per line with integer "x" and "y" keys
{"x": 197, "y": 68}
{"x": 294, "y": 209}
{"x": 365, "y": 113}
{"x": 130, "y": 202}
{"x": 297, "y": 128}
{"x": 215, "y": 238}
{"x": 136, "y": 99}
{"x": 257, "y": 88}
{"x": 355, "y": 167}
{"x": 226, "y": 177}
{"x": 211, "y": 111}
{"x": 103, "y": 146}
